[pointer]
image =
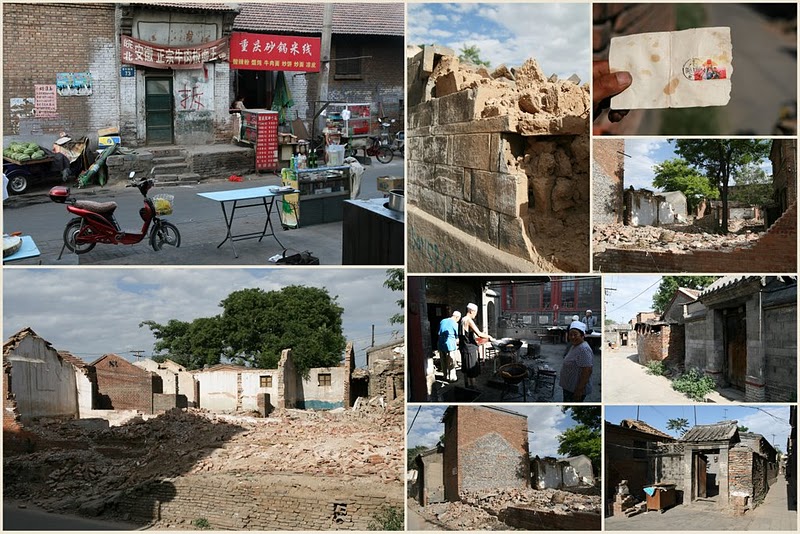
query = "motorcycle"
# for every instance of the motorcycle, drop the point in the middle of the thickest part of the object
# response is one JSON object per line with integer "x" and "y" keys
{"x": 95, "y": 221}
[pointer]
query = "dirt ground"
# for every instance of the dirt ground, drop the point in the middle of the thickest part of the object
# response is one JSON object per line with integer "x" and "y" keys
{"x": 69, "y": 465}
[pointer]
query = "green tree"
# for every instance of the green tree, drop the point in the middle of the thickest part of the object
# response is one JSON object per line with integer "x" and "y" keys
{"x": 584, "y": 438}
{"x": 259, "y": 324}
{"x": 720, "y": 159}
{"x": 472, "y": 54}
{"x": 412, "y": 453}
{"x": 395, "y": 281}
{"x": 742, "y": 428}
{"x": 191, "y": 345}
{"x": 670, "y": 284}
{"x": 753, "y": 187}
{"x": 677, "y": 175}
{"x": 679, "y": 425}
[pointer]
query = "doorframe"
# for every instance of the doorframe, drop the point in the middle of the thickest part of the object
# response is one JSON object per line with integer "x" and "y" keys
{"x": 159, "y": 74}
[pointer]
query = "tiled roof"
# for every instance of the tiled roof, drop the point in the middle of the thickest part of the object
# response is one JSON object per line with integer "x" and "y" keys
{"x": 211, "y": 6}
{"x": 291, "y": 18}
{"x": 722, "y": 431}
{"x": 691, "y": 293}
{"x": 74, "y": 360}
{"x": 729, "y": 282}
{"x": 641, "y": 426}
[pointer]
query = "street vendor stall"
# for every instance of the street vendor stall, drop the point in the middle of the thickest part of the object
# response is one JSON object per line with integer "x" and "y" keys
{"x": 322, "y": 192}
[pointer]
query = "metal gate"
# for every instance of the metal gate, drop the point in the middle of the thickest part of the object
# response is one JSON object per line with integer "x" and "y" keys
{"x": 159, "y": 107}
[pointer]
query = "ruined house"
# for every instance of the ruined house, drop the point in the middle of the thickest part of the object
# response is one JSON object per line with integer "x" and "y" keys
{"x": 39, "y": 381}
{"x": 742, "y": 331}
{"x": 783, "y": 156}
{"x": 498, "y": 166}
{"x": 120, "y": 385}
{"x": 430, "y": 476}
{"x": 176, "y": 381}
{"x": 562, "y": 473}
{"x": 384, "y": 374}
{"x": 236, "y": 388}
{"x": 646, "y": 208}
{"x": 627, "y": 446}
{"x": 485, "y": 447}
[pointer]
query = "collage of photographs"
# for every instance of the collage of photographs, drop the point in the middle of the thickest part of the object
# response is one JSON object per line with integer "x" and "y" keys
{"x": 569, "y": 303}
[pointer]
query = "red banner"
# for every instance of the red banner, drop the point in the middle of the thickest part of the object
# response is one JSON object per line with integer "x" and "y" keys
{"x": 135, "y": 52}
{"x": 258, "y": 51}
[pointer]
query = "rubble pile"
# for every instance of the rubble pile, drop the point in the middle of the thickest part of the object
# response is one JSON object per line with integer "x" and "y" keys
{"x": 675, "y": 238}
{"x": 480, "y": 510}
{"x": 73, "y": 463}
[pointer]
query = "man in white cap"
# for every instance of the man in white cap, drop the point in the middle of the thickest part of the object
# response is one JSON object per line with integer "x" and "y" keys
{"x": 448, "y": 345}
{"x": 576, "y": 372}
{"x": 589, "y": 320}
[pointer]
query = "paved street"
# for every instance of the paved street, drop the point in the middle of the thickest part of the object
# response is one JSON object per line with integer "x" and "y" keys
{"x": 199, "y": 220}
{"x": 627, "y": 382}
{"x": 773, "y": 514}
{"x": 32, "y": 518}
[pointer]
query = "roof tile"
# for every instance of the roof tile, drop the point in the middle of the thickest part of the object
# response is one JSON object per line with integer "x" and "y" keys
{"x": 354, "y": 19}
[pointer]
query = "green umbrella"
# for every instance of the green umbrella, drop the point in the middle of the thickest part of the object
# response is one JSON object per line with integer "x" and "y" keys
{"x": 282, "y": 100}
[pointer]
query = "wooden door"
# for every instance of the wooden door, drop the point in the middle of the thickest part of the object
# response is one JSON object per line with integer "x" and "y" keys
{"x": 736, "y": 349}
{"x": 700, "y": 465}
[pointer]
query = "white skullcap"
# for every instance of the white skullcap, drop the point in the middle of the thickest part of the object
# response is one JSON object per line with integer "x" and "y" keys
{"x": 588, "y": 311}
{"x": 577, "y": 325}
{"x": 472, "y": 307}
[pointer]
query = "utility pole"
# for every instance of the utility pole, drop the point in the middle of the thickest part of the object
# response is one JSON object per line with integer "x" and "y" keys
{"x": 373, "y": 335}
{"x": 325, "y": 58}
{"x": 137, "y": 354}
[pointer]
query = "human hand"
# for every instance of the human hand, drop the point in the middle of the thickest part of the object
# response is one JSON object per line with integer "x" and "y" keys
{"x": 606, "y": 84}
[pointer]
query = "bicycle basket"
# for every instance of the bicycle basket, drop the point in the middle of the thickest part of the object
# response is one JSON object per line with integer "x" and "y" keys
{"x": 163, "y": 204}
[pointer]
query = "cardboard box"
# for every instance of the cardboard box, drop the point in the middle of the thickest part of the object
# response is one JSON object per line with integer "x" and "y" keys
{"x": 105, "y": 132}
{"x": 387, "y": 183}
{"x": 106, "y": 141}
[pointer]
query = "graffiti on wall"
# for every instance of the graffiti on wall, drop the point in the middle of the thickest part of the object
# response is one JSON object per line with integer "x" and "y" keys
{"x": 190, "y": 98}
{"x": 437, "y": 257}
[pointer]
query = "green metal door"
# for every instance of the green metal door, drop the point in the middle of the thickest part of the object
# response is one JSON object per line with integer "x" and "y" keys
{"x": 158, "y": 110}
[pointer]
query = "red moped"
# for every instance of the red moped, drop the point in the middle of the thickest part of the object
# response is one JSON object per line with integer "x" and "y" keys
{"x": 95, "y": 221}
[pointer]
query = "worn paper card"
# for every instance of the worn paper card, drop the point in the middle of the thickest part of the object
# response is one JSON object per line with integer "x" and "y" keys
{"x": 680, "y": 69}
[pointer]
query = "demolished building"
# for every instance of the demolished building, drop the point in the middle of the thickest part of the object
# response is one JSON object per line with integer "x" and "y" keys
{"x": 498, "y": 166}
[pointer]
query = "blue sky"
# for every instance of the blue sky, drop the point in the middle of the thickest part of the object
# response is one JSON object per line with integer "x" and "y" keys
{"x": 633, "y": 294}
{"x": 761, "y": 419}
{"x": 545, "y": 421}
{"x": 645, "y": 153}
{"x": 91, "y": 312}
{"x": 555, "y": 35}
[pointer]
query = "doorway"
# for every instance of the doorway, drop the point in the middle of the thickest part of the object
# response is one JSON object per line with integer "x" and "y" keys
{"x": 705, "y": 472}
{"x": 735, "y": 338}
{"x": 256, "y": 87}
{"x": 158, "y": 105}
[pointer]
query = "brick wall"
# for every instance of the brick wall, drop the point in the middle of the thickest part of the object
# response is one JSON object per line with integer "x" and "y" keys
{"x": 775, "y": 251}
{"x": 41, "y": 40}
{"x": 666, "y": 345}
{"x": 491, "y": 450}
{"x": 260, "y": 503}
{"x": 123, "y": 386}
{"x": 167, "y": 401}
{"x": 780, "y": 353}
{"x": 667, "y": 464}
{"x": 530, "y": 519}
{"x": 747, "y": 473}
{"x": 608, "y": 180}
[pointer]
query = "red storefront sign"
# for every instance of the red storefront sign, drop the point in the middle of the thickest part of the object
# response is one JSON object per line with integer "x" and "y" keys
{"x": 258, "y": 51}
{"x": 135, "y": 52}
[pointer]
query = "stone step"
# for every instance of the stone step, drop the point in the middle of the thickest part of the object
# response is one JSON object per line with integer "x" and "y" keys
{"x": 179, "y": 179}
{"x": 165, "y": 160}
{"x": 171, "y": 168}
{"x": 166, "y": 152}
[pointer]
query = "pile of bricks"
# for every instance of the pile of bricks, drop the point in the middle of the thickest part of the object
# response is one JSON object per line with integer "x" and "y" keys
{"x": 673, "y": 238}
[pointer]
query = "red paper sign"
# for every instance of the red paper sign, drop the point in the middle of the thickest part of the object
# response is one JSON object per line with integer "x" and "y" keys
{"x": 135, "y": 52}
{"x": 258, "y": 51}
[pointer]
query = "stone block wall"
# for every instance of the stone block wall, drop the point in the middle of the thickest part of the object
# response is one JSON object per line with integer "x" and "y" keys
{"x": 667, "y": 464}
{"x": 780, "y": 353}
{"x": 41, "y": 40}
{"x": 502, "y": 160}
{"x": 261, "y": 503}
{"x": 608, "y": 175}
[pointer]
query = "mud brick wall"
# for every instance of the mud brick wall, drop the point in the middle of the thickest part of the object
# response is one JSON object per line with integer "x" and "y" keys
{"x": 775, "y": 251}
{"x": 490, "y": 449}
{"x": 530, "y": 519}
{"x": 41, "y": 40}
{"x": 260, "y": 503}
{"x": 780, "y": 353}
{"x": 607, "y": 180}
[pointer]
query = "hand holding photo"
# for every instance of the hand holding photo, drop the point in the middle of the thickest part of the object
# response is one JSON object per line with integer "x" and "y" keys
{"x": 680, "y": 69}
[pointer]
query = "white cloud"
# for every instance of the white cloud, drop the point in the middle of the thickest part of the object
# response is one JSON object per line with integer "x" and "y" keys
{"x": 639, "y": 166}
{"x": 775, "y": 421}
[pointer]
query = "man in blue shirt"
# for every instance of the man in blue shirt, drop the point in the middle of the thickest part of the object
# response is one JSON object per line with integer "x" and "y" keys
{"x": 448, "y": 345}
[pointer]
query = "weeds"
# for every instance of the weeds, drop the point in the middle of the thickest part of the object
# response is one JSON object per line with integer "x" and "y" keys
{"x": 201, "y": 523}
{"x": 656, "y": 368}
{"x": 388, "y": 518}
{"x": 694, "y": 385}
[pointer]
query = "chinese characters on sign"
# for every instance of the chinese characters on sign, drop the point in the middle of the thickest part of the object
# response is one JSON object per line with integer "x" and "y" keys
{"x": 44, "y": 101}
{"x": 257, "y": 51}
{"x": 135, "y": 52}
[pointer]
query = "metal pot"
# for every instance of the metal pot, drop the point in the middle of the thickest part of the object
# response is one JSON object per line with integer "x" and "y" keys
{"x": 396, "y": 200}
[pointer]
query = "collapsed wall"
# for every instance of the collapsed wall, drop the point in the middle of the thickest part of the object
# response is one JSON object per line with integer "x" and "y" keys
{"x": 498, "y": 168}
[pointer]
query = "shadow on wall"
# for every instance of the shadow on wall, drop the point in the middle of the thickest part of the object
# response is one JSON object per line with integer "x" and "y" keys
{"x": 119, "y": 472}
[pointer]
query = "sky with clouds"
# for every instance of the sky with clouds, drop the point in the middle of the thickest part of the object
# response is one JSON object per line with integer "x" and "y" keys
{"x": 627, "y": 295}
{"x": 91, "y": 312}
{"x": 555, "y": 35}
{"x": 545, "y": 423}
{"x": 643, "y": 154}
{"x": 761, "y": 419}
